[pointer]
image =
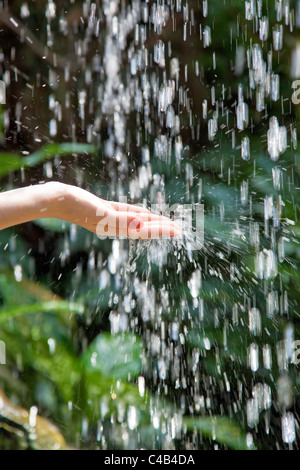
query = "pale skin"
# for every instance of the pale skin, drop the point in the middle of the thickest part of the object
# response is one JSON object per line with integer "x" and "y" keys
{"x": 80, "y": 207}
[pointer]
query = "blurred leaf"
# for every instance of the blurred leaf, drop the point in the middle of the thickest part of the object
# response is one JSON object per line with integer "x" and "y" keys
{"x": 53, "y": 225}
{"x": 11, "y": 162}
{"x": 219, "y": 429}
{"x": 53, "y": 150}
{"x": 27, "y": 297}
{"x": 40, "y": 307}
{"x": 112, "y": 394}
{"x": 25, "y": 291}
{"x": 62, "y": 368}
{"x": 114, "y": 356}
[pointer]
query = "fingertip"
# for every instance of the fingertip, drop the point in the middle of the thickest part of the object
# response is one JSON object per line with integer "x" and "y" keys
{"x": 136, "y": 224}
{"x": 177, "y": 234}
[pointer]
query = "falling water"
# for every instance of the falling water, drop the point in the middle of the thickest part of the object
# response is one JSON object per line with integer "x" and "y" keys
{"x": 147, "y": 83}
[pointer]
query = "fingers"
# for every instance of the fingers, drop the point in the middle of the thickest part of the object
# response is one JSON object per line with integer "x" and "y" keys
{"x": 114, "y": 223}
{"x": 157, "y": 229}
{"x": 156, "y": 226}
{"x": 123, "y": 219}
{"x": 141, "y": 213}
{"x": 138, "y": 226}
{"x": 150, "y": 217}
{"x": 147, "y": 231}
{"x": 150, "y": 231}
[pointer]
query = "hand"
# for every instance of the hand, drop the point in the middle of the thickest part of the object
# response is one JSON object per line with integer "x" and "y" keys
{"x": 80, "y": 207}
{"x": 113, "y": 219}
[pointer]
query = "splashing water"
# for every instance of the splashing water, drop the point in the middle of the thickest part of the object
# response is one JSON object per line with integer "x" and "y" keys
{"x": 186, "y": 111}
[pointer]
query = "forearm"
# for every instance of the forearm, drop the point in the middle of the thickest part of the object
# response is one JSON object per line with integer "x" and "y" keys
{"x": 33, "y": 202}
{"x": 80, "y": 207}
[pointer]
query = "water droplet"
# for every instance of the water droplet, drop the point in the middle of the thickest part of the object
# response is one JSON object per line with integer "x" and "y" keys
{"x": 277, "y": 139}
{"x": 288, "y": 428}
{"x": 245, "y": 148}
{"x": 206, "y": 37}
{"x": 32, "y": 416}
{"x": 277, "y": 37}
{"x": 253, "y": 359}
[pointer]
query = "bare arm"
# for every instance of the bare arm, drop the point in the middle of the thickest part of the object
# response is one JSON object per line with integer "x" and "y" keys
{"x": 25, "y": 204}
{"x": 75, "y": 205}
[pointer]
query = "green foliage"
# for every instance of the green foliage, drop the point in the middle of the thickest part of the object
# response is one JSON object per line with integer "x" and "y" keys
{"x": 220, "y": 429}
{"x": 11, "y": 162}
{"x": 125, "y": 360}
{"x": 55, "y": 320}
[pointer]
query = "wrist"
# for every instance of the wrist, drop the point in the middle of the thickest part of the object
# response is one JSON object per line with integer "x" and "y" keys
{"x": 53, "y": 199}
{"x": 18, "y": 206}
